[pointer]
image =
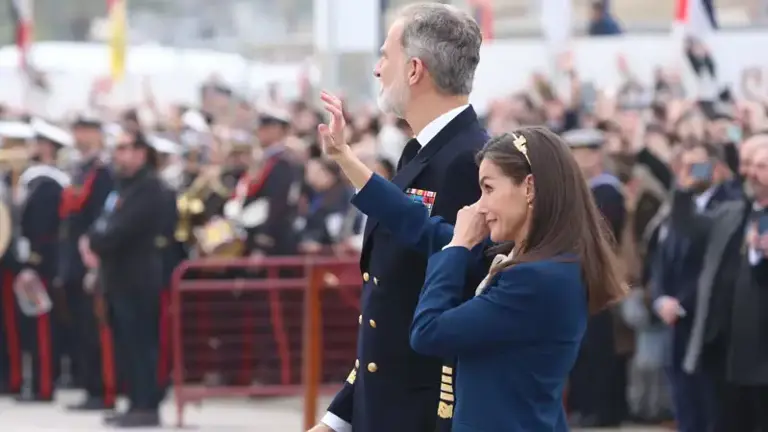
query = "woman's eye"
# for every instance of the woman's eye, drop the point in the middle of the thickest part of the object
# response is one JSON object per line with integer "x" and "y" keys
{"x": 488, "y": 189}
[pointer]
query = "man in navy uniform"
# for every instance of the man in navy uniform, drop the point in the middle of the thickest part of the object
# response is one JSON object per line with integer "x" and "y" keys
{"x": 81, "y": 204}
{"x": 13, "y": 135}
{"x": 598, "y": 380}
{"x": 124, "y": 243}
{"x": 426, "y": 72}
{"x": 267, "y": 196}
{"x": 39, "y": 195}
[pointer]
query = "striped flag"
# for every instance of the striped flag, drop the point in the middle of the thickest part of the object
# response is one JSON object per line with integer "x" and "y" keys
{"x": 23, "y": 20}
{"x": 118, "y": 35}
{"x": 483, "y": 13}
{"x": 695, "y": 18}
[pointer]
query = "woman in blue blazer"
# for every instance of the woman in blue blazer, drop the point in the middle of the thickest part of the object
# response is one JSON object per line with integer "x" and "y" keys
{"x": 517, "y": 339}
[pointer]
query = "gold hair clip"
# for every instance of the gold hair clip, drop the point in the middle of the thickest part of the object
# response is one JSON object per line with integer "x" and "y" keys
{"x": 521, "y": 145}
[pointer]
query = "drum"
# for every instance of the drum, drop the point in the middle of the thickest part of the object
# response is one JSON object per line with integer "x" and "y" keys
{"x": 220, "y": 238}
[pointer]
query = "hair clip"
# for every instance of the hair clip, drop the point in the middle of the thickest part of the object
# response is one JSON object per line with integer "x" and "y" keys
{"x": 521, "y": 145}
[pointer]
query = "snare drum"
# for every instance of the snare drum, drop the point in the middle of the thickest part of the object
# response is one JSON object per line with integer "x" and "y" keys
{"x": 220, "y": 238}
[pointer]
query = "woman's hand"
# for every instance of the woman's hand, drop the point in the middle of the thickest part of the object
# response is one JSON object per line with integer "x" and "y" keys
{"x": 332, "y": 134}
{"x": 470, "y": 227}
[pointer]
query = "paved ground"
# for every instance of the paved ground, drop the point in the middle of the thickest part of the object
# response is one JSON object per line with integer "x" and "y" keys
{"x": 263, "y": 415}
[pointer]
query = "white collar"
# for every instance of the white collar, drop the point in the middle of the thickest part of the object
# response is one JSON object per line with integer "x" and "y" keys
{"x": 434, "y": 127}
{"x": 703, "y": 199}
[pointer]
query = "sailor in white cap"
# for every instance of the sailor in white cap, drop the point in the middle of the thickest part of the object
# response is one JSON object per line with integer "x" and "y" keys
{"x": 40, "y": 191}
{"x": 169, "y": 166}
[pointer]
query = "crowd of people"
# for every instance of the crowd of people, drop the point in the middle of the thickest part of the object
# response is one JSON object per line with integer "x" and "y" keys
{"x": 104, "y": 207}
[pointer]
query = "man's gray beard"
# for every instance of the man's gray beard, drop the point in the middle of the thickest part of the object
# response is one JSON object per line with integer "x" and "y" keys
{"x": 749, "y": 192}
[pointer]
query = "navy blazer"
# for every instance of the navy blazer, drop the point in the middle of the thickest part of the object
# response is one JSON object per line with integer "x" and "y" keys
{"x": 391, "y": 387}
{"x": 516, "y": 342}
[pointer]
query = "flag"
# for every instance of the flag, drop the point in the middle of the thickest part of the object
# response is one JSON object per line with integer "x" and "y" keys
{"x": 483, "y": 13}
{"x": 118, "y": 35}
{"x": 23, "y": 20}
{"x": 695, "y": 18}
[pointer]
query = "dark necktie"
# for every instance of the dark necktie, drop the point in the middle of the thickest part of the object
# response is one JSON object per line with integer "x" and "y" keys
{"x": 410, "y": 151}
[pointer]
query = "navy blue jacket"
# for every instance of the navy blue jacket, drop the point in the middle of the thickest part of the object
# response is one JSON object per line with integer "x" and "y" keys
{"x": 39, "y": 216}
{"x": 392, "y": 387}
{"x": 516, "y": 342}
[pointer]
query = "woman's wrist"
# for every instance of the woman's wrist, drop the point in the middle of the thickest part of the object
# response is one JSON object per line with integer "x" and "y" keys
{"x": 458, "y": 243}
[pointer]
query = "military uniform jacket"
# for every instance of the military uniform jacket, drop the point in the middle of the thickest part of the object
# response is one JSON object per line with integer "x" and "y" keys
{"x": 276, "y": 185}
{"x": 391, "y": 387}
{"x": 81, "y": 204}
{"x": 39, "y": 195}
{"x": 125, "y": 235}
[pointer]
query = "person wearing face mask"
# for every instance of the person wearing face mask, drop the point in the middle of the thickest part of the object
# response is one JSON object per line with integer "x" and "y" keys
{"x": 730, "y": 309}
{"x": 39, "y": 193}
{"x": 518, "y": 337}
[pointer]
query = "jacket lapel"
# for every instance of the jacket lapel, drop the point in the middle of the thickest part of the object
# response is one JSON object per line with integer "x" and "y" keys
{"x": 405, "y": 177}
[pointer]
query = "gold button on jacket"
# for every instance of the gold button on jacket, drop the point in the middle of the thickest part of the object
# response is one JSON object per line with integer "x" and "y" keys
{"x": 366, "y": 277}
{"x": 372, "y": 367}
{"x": 360, "y": 319}
{"x": 357, "y": 363}
{"x": 372, "y": 323}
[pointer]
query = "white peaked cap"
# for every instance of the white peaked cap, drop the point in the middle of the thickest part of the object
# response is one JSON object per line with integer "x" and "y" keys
{"x": 164, "y": 145}
{"x": 195, "y": 121}
{"x": 16, "y": 130}
{"x": 52, "y": 133}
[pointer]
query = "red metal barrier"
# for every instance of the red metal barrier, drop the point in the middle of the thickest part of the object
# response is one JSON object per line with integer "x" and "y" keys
{"x": 263, "y": 327}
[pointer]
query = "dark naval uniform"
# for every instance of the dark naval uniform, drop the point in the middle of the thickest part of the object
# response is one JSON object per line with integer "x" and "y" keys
{"x": 125, "y": 238}
{"x": 81, "y": 205}
{"x": 391, "y": 387}
{"x": 277, "y": 185}
{"x": 40, "y": 190}
{"x": 10, "y": 352}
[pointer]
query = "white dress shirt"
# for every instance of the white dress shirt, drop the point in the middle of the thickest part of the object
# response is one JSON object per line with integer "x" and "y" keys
{"x": 426, "y": 135}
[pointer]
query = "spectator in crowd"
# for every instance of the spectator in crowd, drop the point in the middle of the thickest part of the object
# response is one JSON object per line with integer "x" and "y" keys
{"x": 601, "y": 22}
{"x": 729, "y": 305}
{"x": 676, "y": 271}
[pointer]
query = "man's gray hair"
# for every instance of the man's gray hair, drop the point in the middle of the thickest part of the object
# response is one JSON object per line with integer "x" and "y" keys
{"x": 447, "y": 40}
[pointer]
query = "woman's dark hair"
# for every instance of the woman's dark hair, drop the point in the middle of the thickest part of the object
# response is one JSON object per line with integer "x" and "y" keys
{"x": 565, "y": 218}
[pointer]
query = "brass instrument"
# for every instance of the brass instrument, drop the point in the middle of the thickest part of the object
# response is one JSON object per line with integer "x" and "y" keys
{"x": 192, "y": 207}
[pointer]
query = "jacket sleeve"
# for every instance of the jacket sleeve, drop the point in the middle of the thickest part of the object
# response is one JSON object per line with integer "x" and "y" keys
{"x": 685, "y": 219}
{"x": 408, "y": 220}
{"x": 460, "y": 187}
{"x": 444, "y": 326}
{"x": 339, "y": 416}
{"x": 40, "y": 226}
{"x": 133, "y": 218}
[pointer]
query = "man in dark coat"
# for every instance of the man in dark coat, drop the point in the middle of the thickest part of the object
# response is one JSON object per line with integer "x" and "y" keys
{"x": 81, "y": 204}
{"x": 123, "y": 244}
{"x": 674, "y": 282}
{"x": 732, "y": 298}
{"x": 426, "y": 70}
